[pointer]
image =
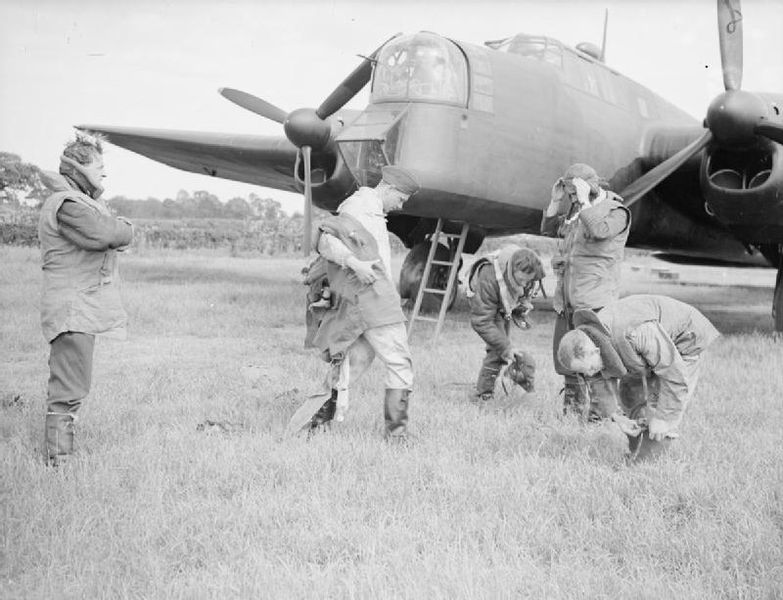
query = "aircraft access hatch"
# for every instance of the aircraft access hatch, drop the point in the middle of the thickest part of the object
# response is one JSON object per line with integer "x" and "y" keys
{"x": 370, "y": 143}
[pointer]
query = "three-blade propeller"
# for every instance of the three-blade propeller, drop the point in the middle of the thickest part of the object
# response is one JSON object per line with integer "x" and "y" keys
{"x": 733, "y": 119}
{"x": 308, "y": 129}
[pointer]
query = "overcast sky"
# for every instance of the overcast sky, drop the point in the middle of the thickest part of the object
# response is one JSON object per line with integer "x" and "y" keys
{"x": 159, "y": 63}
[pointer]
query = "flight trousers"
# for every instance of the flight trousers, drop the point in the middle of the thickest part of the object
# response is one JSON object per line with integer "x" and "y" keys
{"x": 70, "y": 378}
{"x": 491, "y": 366}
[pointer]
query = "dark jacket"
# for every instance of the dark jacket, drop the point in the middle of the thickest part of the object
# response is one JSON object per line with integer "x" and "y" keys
{"x": 590, "y": 254}
{"x": 487, "y": 317}
{"x": 492, "y": 308}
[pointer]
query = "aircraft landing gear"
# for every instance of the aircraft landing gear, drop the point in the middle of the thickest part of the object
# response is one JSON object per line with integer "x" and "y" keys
{"x": 774, "y": 255}
{"x": 777, "y": 299}
{"x": 412, "y": 271}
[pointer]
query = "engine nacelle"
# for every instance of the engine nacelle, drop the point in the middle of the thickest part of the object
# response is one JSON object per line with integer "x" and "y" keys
{"x": 743, "y": 190}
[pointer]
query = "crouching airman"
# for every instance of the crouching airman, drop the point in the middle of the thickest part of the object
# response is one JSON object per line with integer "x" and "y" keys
{"x": 652, "y": 347}
{"x": 500, "y": 287}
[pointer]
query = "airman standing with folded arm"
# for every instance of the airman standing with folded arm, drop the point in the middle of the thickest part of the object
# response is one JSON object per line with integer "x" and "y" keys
{"x": 79, "y": 239}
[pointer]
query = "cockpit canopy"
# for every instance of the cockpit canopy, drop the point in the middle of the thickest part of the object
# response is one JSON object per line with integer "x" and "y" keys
{"x": 421, "y": 66}
{"x": 537, "y": 47}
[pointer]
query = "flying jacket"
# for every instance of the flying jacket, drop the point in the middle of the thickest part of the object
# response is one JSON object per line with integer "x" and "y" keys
{"x": 489, "y": 311}
{"x": 79, "y": 239}
{"x": 590, "y": 254}
{"x": 356, "y": 306}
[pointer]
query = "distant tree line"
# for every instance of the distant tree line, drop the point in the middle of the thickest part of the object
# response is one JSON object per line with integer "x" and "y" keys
{"x": 20, "y": 182}
{"x": 252, "y": 224}
{"x": 201, "y": 205}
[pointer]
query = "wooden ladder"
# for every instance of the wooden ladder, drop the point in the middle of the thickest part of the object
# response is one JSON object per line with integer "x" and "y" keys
{"x": 453, "y": 265}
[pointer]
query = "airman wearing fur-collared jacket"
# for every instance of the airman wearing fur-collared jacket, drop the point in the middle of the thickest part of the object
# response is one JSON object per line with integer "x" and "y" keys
{"x": 593, "y": 227}
{"x": 79, "y": 239}
{"x": 500, "y": 286}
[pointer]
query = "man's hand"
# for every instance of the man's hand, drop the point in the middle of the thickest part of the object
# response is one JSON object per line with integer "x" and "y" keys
{"x": 582, "y": 191}
{"x": 522, "y": 369}
{"x": 628, "y": 426}
{"x": 362, "y": 269}
{"x": 508, "y": 356}
{"x": 658, "y": 429}
{"x": 558, "y": 193}
{"x": 133, "y": 234}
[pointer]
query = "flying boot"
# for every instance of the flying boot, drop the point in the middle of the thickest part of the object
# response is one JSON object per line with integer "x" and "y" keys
{"x": 59, "y": 431}
{"x": 325, "y": 414}
{"x": 638, "y": 395}
{"x": 574, "y": 397}
{"x": 395, "y": 410}
{"x": 485, "y": 386}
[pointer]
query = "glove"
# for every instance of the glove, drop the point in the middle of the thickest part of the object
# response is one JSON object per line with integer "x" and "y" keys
{"x": 582, "y": 191}
{"x": 658, "y": 429}
{"x": 628, "y": 426}
{"x": 520, "y": 313}
{"x": 522, "y": 370}
{"x": 558, "y": 193}
{"x": 362, "y": 269}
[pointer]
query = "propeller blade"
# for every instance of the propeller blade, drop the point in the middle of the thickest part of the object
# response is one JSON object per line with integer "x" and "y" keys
{"x": 308, "y": 208}
{"x": 730, "y": 35}
{"x": 254, "y": 104}
{"x": 656, "y": 175}
{"x": 351, "y": 85}
{"x": 768, "y": 129}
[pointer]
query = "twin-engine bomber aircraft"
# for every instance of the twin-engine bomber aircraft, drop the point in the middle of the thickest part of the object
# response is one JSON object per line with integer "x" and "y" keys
{"x": 488, "y": 129}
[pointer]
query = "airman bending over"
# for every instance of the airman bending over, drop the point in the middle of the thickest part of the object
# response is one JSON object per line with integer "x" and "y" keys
{"x": 653, "y": 346}
{"x": 500, "y": 287}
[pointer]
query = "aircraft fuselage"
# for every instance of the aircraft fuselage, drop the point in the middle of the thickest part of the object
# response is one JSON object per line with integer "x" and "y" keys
{"x": 489, "y": 154}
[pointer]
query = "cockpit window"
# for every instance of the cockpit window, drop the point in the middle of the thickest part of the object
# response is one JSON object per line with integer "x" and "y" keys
{"x": 536, "y": 47}
{"x": 422, "y": 66}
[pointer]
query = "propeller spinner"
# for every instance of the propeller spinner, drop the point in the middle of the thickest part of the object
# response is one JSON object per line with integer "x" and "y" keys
{"x": 304, "y": 128}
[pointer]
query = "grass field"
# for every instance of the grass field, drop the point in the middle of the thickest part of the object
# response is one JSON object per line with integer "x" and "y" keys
{"x": 514, "y": 502}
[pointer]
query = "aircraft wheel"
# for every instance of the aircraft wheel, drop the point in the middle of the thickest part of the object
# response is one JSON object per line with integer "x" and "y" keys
{"x": 413, "y": 270}
{"x": 774, "y": 254}
{"x": 777, "y": 299}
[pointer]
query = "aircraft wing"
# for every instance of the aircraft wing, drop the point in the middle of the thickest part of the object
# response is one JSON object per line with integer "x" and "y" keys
{"x": 267, "y": 161}
{"x": 661, "y": 143}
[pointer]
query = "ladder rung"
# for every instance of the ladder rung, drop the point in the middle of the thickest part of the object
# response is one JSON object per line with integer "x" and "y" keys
{"x": 452, "y": 264}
